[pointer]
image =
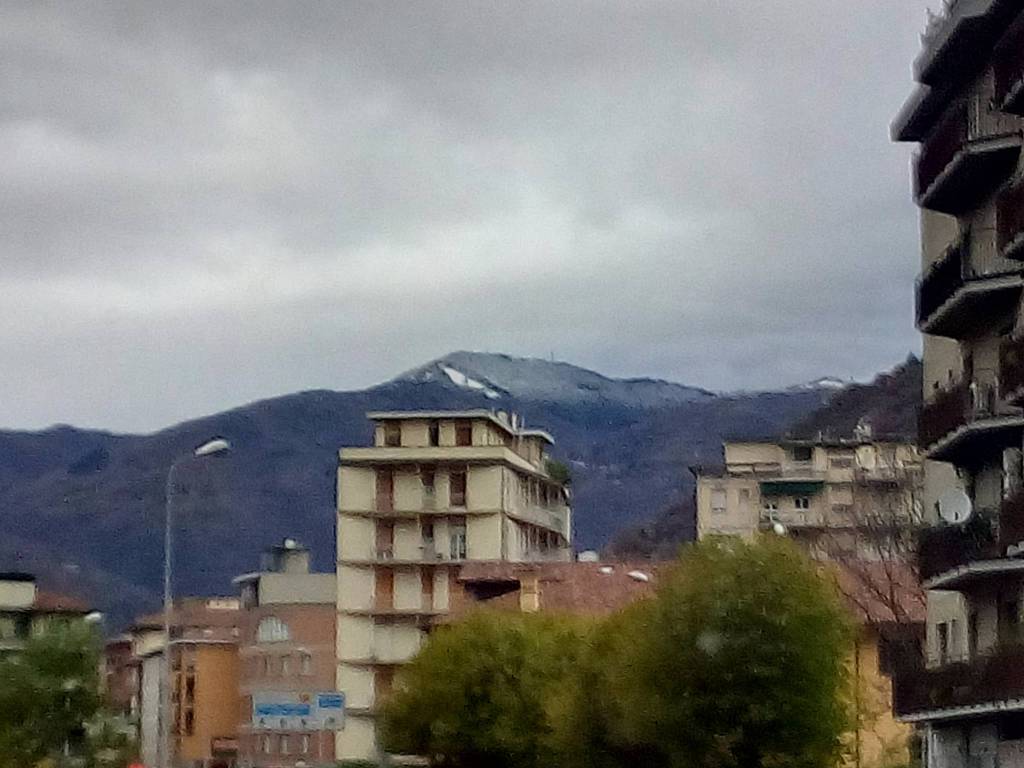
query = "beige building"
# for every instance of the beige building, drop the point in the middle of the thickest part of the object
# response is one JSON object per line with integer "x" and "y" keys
{"x": 27, "y": 610}
{"x": 966, "y": 114}
{"x": 831, "y": 495}
{"x": 436, "y": 490}
{"x": 286, "y": 649}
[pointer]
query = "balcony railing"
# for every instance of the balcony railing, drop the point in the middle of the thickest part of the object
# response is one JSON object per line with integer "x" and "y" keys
{"x": 943, "y": 548}
{"x": 1011, "y": 520}
{"x": 969, "y": 153}
{"x": 942, "y": 279}
{"x": 994, "y": 677}
{"x": 1009, "y": 78}
{"x": 1010, "y": 222}
{"x": 1011, "y": 368}
{"x": 979, "y": 401}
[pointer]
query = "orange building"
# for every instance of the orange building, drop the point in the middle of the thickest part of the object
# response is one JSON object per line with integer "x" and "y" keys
{"x": 204, "y": 682}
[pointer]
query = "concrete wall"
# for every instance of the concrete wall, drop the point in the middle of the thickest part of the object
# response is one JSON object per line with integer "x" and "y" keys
{"x": 17, "y": 594}
{"x": 149, "y": 709}
{"x": 285, "y": 588}
{"x": 356, "y": 489}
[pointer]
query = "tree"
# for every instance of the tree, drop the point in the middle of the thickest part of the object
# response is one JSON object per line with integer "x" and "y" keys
{"x": 48, "y": 692}
{"x": 740, "y": 660}
{"x": 477, "y": 693}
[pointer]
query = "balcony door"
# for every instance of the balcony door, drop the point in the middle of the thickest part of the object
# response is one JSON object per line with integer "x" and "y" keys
{"x": 385, "y": 491}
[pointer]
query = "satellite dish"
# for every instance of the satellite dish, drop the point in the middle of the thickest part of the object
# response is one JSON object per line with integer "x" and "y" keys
{"x": 955, "y": 507}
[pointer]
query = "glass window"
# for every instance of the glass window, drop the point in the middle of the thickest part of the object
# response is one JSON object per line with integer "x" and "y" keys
{"x": 286, "y": 665}
{"x": 272, "y": 630}
{"x": 266, "y": 745}
{"x": 802, "y": 502}
{"x": 458, "y": 539}
{"x": 284, "y": 746}
{"x": 304, "y": 744}
{"x": 306, "y": 664}
{"x": 392, "y": 435}
{"x": 457, "y": 489}
{"x": 463, "y": 433}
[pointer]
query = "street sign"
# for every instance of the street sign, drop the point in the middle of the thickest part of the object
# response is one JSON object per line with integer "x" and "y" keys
{"x": 330, "y": 710}
{"x": 298, "y": 711}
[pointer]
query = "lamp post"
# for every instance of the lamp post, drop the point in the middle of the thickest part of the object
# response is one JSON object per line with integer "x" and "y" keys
{"x": 209, "y": 448}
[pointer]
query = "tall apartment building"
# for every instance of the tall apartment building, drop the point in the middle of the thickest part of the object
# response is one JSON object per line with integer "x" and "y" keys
{"x": 436, "y": 490}
{"x": 830, "y": 495}
{"x": 286, "y": 652}
{"x": 968, "y": 691}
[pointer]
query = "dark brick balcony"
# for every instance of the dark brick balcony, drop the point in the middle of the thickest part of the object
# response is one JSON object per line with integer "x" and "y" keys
{"x": 1009, "y": 77}
{"x": 1011, "y": 369}
{"x": 965, "y": 158}
{"x": 968, "y": 288}
{"x": 995, "y": 677}
{"x": 1010, "y": 222}
{"x": 944, "y": 548}
{"x": 966, "y": 423}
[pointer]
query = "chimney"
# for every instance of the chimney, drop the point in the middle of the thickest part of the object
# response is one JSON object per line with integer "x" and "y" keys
{"x": 287, "y": 557}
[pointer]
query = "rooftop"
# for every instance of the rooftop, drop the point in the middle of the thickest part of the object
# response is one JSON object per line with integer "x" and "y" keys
{"x": 499, "y": 418}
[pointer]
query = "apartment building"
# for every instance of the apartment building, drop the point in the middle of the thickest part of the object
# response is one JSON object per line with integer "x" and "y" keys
{"x": 27, "y": 610}
{"x": 436, "y": 490}
{"x": 204, "y": 682}
{"x": 966, "y": 114}
{"x": 286, "y": 654}
{"x": 836, "y": 497}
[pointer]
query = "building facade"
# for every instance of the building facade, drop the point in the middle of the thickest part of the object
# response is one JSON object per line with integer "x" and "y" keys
{"x": 966, "y": 114}
{"x": 204, "y": 680}
{"x": 286, "y": 651}
{"x": 27, "y": 610}
{"x": 836, "y": 497}
{"x": 436, "y": 490}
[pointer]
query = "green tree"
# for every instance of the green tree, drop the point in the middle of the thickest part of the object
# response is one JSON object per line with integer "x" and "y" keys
{"x": 477, "y": 694}
{"x": 48, "y": 692}
{"x": 739, "y": 662}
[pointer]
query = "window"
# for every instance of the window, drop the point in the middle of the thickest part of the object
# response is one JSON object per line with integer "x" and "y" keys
{"x": 284, "y": 746}
{"x": 392, "y": 435}
{"x": 943, "y": 632}
{"x": 428, "y": 533}
{"x": 266, "y": 666}
{"x": 266, "y": 745}
{"x": 427, "y": 479}
{"x": 272, "y": 630}
{"x": 458, "y": 539}
{"x": 771, "y": 506}
{"x": 286, "y": 665}
{"x": 190, "y": 722}
{"x": 306, "y": 664}
{"x": 802, "y": 502}
{"x": 841, "y": 462}
{"x": 802, "y": 453}
{"x": 434, "y": 434}
{"x": 972, "y": 632}
{"x": 463, "y": 433}
{"x": 457, "y": 490}
{"x": 718, "y": 501}
{"x": 304, "y": 744}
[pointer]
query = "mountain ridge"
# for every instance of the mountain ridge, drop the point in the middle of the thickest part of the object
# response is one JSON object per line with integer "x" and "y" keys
{"x": 85, "y": 507}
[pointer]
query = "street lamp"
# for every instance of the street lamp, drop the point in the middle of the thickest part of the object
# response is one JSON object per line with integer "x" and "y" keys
{"x": 213, "y": 447}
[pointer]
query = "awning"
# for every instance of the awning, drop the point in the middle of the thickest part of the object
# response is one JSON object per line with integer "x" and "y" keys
{"x": 791, "y": 487}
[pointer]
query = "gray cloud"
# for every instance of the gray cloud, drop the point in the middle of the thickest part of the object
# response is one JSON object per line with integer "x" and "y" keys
{"x": 205, "y": 203}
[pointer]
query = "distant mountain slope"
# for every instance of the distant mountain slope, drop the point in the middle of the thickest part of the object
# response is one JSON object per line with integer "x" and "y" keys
{"x": 888, "y": 406}
{"x": 85, "y": 508}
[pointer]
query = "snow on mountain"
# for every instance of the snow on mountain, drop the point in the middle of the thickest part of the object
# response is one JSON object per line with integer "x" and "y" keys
{"x": 498, "y": 376}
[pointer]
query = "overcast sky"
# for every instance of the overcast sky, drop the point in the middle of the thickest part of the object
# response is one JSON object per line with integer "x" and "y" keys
{"x": 204, "y": 204}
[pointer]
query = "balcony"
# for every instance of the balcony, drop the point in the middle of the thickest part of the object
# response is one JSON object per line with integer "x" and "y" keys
{"x": 1010, "y": 223}
{"x": 968, "y": 155}
{"x": 968, "y": 288}
{"x": 1011, "y": 369}
{"x": 933, "y": 694}
{"x": 1009, "y": 78}
{"x": 945, "y": 548}
{"x": 968, "y": 422}
{"x": 954, "y": 41}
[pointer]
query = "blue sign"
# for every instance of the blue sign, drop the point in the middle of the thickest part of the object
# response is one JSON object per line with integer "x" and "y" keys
{"x": 330, "y": 701}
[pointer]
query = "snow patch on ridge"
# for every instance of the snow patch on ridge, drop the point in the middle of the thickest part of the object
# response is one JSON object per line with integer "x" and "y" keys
{"x": 459, "y": 379}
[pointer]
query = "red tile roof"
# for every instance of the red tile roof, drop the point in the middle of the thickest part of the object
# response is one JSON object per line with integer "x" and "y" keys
{"x": 876, "y": 592}
{"x": 52, "y": 602}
